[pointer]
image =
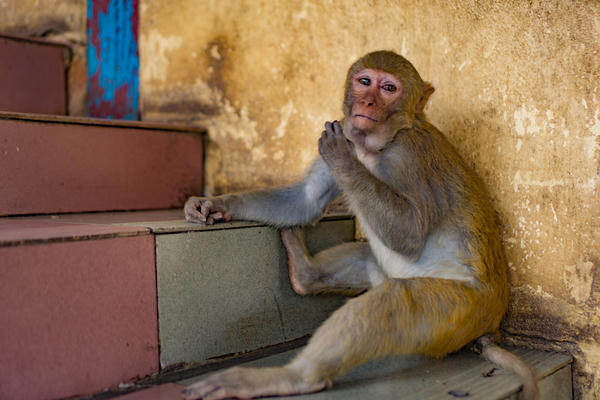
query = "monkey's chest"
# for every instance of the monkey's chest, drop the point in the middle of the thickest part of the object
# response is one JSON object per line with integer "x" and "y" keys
{"x": 368, "y": 159}
{"x": 440, "y": 258}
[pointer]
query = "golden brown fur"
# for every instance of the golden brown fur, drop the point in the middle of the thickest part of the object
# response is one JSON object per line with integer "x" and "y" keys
{"x": 433, "y": 269}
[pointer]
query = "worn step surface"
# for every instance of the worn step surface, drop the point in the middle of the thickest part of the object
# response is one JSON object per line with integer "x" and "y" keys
{"x": 61, "y": 164}
{"x": 417, "y": 378}
{"x": 33, "y": 75}
{"x": 89, "y": 297}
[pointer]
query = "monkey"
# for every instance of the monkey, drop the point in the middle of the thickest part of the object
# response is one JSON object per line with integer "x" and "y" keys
{"x": 431, "y": 277}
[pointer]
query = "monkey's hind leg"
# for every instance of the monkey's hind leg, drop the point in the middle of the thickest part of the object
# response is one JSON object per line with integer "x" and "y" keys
{"x": 349, "y": 268}
{"x": 427, "y": 316}
{"x": 400, "y": 316}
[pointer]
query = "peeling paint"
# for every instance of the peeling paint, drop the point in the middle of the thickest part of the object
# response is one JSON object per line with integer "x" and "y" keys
{"x": 160, "y": 47}
{"x": 592, "y": 142}
{"x": 525, "y": 121}
{"x": 286, "y": 112}
{"x": 529, "y": 181}
{"x": 578, "y": 279}
{"x": 553, "y": 213}
{"x": 214, "y": 52}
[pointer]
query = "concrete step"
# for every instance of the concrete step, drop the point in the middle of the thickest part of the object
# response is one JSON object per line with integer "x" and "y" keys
{"x": 33, "y": 75}
{"x": 61, "y": 164}
{"x": 88, "y": 298}
{"x": 79, "y": 307}
{"x": 416, "y": 378}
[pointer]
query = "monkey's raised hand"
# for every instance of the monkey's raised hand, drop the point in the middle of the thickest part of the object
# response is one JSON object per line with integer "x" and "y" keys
{"x": 206, "y": 210}
{"x": 334, "y": 147}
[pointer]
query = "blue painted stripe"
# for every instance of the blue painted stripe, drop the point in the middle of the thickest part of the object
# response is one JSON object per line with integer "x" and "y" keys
{"x": 113, "y": 60}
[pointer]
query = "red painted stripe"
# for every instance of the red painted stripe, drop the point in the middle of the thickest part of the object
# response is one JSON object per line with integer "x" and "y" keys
{"x": 15, "y": 230}
{"x": 62, "y": 167}
{"x": 77, "y": 317}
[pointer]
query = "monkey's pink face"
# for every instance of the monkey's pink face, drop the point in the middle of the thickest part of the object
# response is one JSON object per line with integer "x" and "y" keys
{"x": 374, "y": 91}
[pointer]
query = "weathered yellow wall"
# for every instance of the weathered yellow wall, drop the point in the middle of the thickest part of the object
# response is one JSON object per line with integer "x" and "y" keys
{"x": 517, "y": 92}
{"x": 60, "y": 20}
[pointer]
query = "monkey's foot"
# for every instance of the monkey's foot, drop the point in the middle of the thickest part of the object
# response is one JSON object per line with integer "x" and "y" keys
{"x": 297, "y": 265}
{"x": 247, "y": 383}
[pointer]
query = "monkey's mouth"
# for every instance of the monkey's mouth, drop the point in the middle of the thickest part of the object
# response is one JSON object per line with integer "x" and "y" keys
{"x": 365, "y": 116}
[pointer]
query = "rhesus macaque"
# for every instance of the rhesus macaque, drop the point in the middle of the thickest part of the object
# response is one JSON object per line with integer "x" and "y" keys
{"x": 433, "y": 267}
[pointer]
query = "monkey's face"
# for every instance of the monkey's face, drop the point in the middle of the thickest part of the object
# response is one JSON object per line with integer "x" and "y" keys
{"x": 375, "y": 93}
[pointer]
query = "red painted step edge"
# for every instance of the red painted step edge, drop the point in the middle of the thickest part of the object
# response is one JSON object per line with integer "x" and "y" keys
{"x": 77, "y": 316}
{"x": 17, "y": 231}
{"x": 59, "y": 165}
{"x": 33, "y": 75}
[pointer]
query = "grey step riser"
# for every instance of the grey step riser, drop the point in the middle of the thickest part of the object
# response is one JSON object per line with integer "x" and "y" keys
{"x": 228, "y": 291}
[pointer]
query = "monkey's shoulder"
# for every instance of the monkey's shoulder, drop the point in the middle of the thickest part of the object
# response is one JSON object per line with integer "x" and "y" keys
{"x": 420, "y": 147}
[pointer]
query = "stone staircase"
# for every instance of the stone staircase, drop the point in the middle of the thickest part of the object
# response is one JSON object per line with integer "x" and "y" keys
{"x": 107, "y": 292}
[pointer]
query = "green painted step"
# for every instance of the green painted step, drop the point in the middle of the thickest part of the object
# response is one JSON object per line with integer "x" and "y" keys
{"x": 225, "y": 289}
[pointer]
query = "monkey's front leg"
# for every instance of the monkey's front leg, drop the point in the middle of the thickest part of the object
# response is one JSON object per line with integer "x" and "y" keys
{"x": 246, "y": 383}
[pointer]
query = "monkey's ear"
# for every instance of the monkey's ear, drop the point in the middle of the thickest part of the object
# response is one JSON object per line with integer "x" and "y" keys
{"x": 427, "y": 91}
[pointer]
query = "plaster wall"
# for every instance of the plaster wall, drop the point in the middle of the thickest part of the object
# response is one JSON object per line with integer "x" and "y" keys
{"x": 59, "y": 20}
{"x": 517, "y": 91}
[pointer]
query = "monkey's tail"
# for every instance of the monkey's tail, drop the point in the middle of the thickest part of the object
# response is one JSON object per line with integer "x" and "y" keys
{"x": 496, "y": 354}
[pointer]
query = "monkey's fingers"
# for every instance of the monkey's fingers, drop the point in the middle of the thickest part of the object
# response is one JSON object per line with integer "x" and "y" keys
{"x": 327, "y": 139}
{"x": 337, "y": 128}
{"x": 191, "y": 210}
{"x": 210, "y": 212}
{"x": 333, "y": 129}
{"x": 219, "y": 216}
{"x": 322, "y": 141}
{"x": 324, "y": 136}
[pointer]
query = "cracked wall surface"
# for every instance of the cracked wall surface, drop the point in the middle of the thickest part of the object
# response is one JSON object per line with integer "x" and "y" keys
{"x": 59, "y": 20}
{"x": 517, "y": 91}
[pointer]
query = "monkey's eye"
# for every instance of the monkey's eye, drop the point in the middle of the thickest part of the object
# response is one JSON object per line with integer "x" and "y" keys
{"x": 389, "y": 88}
{"x": 364, "y": 81}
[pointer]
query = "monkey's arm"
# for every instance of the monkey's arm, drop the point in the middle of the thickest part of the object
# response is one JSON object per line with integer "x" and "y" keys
{"x": 401, "y": 220}
{"x": 293, "y": 205}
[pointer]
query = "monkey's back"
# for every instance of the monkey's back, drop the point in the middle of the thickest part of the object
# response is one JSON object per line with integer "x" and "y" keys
{"x": 460, "y": 202}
